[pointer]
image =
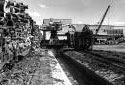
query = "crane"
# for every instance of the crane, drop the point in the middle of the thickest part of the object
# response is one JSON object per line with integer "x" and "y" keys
{"x": 97, "y": 30}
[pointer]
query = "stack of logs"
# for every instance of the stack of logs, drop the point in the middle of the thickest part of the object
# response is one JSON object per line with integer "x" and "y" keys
{"x": 17, "y": 31}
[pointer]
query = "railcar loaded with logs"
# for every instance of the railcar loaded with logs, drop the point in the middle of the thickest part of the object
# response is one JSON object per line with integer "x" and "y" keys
{"x": 75, "y": 39}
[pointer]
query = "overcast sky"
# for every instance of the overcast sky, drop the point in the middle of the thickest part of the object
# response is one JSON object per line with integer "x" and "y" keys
{"x": 80, "y": 11}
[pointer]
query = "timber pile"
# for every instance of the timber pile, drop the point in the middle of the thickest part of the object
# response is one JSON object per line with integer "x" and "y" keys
{"x": 21, "y": 72}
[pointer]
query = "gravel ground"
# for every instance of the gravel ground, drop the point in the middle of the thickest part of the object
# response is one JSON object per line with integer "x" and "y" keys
{"x": 104, "y": 70}
{"x": 21, "y": 72}
{"x": 43, "y": 74}
{"x": 36, "y": 69}
{"x": 30, "y": 71}
{"x": 117, "y": 48}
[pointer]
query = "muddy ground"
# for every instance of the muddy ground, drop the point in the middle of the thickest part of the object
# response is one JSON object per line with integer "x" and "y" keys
{"x": 117, "y": 48}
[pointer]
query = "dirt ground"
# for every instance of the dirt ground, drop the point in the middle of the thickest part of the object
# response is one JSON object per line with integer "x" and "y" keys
{"x": 117, "y": 48}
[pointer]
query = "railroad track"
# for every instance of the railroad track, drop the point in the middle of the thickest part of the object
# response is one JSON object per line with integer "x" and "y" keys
{"x": 82, "y": 74}
{"x": 117, "y": 56}
{"x": 117, "y": 63}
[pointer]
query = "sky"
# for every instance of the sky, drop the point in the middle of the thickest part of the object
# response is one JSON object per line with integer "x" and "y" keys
{"x": 80, "y": 11}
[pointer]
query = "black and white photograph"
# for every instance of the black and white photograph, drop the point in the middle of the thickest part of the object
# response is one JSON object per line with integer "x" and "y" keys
{"x": 62, "y": 42}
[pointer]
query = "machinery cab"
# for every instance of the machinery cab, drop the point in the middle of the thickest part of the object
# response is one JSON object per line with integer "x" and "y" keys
{"x": 53, "y": 27}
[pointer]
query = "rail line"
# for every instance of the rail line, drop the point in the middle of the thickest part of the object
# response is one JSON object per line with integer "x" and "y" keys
{"x": 83, "y": 75}
{"x": 110, "y": 61}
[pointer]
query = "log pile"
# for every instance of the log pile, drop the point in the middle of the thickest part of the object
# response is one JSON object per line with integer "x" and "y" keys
{"x": 22, "y": 72}
{"x": 17, "y": 31}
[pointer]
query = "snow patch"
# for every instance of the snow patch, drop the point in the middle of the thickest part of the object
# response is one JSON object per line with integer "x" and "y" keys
{"x": 58, "y": 74}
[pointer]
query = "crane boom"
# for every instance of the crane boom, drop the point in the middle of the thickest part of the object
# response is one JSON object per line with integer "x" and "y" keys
{"x": 97, "y": 30}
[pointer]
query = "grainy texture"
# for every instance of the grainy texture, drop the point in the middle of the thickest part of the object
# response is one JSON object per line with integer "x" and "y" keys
{"x": 33, "y": 70}
{"x": 37, "y": 69}
{"x": 117, "y": 48}
{"x": 104, "y": 70}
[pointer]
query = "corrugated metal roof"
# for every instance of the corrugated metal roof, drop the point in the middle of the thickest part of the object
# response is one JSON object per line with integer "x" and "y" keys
{"x": 63, "y": 21}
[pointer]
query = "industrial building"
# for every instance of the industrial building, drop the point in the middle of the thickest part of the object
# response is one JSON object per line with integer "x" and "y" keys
{"x": 63, "y": 21}
{"x": 109, "y": 30}
{"x": 106, "y": 34}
